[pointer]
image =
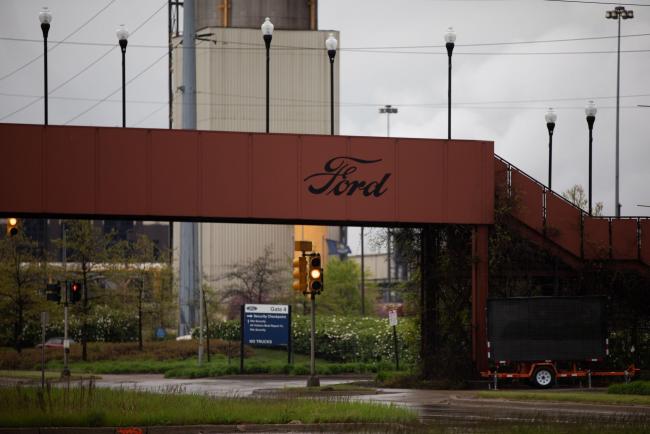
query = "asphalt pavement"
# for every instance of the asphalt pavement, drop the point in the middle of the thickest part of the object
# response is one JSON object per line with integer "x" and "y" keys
{"x": 432, "y": 405}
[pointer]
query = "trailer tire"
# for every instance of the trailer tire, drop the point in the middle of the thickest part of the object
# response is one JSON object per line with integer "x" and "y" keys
{"x": 543, "y": 377}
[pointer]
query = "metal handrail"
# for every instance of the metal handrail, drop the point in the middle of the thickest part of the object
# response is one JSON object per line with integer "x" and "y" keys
{"x": 583, "y": 214}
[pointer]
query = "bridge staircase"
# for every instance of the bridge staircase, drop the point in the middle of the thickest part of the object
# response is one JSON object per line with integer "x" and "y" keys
{"x": 564, "y": 230}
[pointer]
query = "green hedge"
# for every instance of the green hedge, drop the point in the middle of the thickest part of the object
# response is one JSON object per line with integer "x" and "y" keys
{"x": 104, "y": 324}
{"x": 342, "y": 339}
{"x": 633, "y": 388}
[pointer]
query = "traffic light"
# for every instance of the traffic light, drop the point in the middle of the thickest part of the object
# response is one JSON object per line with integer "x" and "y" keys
{"x": 315, "y": 274}
{"x": 75, "y": 292}
{"x": 300, "y": 274}
{"x": 12, "y": 226}
{"x": 53, "y": 292}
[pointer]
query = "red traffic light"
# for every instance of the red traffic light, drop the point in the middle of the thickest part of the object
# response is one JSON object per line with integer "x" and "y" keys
{"x": 75, "y": 292}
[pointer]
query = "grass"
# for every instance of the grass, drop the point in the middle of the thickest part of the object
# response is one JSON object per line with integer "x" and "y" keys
{"x": 177, "y": 359}
{"x": 29, "y": 375}
{"x": 633, "y": 388}
{"x": 262, "y": 361}
{"x": 90, "y": 406}
{"x": 580, "y": 397}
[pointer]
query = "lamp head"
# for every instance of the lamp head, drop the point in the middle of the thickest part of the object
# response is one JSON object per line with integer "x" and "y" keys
{"x": 331, "y": 43}
{"x": 122, "y": 33}
{"x": 45, "y": 16}
{"x": 550, "y": 116}
{"x": 267, "y": 27}
{"x": 450, "y": 36}
{"x": 590, "y": 109}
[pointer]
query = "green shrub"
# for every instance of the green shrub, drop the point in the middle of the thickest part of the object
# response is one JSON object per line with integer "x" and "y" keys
{"x": 342, "y": 339}
{"x": 633, "y": 388}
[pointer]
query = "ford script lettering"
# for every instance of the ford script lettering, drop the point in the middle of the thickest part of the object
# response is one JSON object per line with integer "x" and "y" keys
{"x": 338, "y": 179}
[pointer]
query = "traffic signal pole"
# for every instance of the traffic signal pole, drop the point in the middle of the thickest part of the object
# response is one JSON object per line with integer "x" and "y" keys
{"x": 313, "y": 381}
{"x": 66, "y": 347}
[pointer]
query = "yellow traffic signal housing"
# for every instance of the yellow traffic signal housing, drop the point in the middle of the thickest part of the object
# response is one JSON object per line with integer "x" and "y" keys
{"x": 300, "y": 274}
{"x": 12, "y": 226}
{"x": 315, "y": 274}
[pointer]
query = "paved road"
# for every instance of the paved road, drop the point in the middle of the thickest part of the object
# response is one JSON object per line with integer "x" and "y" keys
{"x": 226, "y": 386}
{"x": 433, "y": 405}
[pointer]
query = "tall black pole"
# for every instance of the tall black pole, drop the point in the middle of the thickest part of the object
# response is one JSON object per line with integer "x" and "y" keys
{"x": 123, "y": 43}
{"x": 551, "y": 127}
{"x": 449, "y": 91}
{"x": 332, "y": 95}
{"x": 363, "y": 276}
{"x": 45, "y": 27}
{"x": 590, "y": 124}
{"x": 267, "y": 42}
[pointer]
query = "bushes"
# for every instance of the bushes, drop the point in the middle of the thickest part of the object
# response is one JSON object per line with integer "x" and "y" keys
{"x": 104, "y": 325}
{"x": 633, "y": 388}
{"x": 342, "y": 339}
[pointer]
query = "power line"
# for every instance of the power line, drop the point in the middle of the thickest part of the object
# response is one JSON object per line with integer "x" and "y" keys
{"x": 164, "y": 105}
{"x": 25, "y": 65}
{"x": 256, "y": 47}
{"x": 598, "y": 3}
{"x": 151, "y": 65}
{"x": 87, "y": 67}
{"x": 323, "y": 102}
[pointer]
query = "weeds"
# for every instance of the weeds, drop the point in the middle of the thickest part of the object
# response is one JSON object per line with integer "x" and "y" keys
{"x": 83, "y": 404}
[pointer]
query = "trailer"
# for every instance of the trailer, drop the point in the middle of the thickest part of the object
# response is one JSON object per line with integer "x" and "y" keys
{"x": 544, "y": 339}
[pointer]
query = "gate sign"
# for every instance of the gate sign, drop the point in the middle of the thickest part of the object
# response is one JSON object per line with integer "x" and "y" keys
{"x": 266, "y": 324}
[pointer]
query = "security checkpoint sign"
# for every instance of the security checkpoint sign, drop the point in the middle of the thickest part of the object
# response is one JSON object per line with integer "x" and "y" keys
{"x": 266, "y": 324}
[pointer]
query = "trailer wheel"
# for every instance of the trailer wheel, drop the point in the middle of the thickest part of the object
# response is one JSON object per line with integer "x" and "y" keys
{"x": 543, "y": 377}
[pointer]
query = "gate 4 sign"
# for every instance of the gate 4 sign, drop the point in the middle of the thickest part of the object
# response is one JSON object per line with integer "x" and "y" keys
{"x": 266, "y": 324}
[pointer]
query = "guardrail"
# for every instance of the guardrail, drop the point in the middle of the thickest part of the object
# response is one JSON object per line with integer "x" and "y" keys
{"x": 570, "y": 227}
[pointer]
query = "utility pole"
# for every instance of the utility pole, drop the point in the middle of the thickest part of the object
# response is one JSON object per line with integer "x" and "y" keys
{"x": 189, "y": 231}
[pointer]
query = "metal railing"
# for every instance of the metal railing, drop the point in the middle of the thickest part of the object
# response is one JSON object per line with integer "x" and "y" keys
{"x": 640, "y": 236}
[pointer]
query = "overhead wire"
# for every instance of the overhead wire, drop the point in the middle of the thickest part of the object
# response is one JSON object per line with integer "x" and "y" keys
{"x": 57, "y": 43}
{"x": 599, "y": 3}
{"x": 151, "y": 65}
{"x": 220, "y": 44}
{"x": 311, "y": 102}
{"x": 87, "y": 67}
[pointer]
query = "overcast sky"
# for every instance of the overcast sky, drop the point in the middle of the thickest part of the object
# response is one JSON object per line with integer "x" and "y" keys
{"x": 500, "y": 92}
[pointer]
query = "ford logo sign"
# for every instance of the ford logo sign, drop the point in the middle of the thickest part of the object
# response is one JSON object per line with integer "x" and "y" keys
{"x": 251, "y": 308}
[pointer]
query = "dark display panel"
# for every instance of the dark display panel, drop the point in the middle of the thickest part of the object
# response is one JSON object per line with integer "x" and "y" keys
{"x": 546, "y": 328}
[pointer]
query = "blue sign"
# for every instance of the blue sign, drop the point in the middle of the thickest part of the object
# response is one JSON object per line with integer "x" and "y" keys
{"x": 266, "y": 324}
{"x": 160, "y": 333}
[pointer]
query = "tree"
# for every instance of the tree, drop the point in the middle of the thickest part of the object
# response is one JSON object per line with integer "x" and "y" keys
{"x": 576, "y": 195}
{"x": 90, "y": 250}
{"x": 341, "y": 293}
{"x": 143, "y": 278}
{"x": 20, "y": 277}
{"x": 256, "y": 280}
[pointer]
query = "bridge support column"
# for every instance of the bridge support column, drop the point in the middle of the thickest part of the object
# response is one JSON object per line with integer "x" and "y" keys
{"x": 479, "y": 296}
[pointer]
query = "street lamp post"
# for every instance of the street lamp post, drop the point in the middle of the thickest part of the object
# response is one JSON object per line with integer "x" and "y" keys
{"x": 450, "y": 39}
{"x": 590, "y": 112}
{"x": 123, "y": 38}
{"x": 331, "y": 43}
{"x": 616, "y": 14}
{"x": 388, "y": 110}
{"x": 267, "y": 34}
{"x": 551, "y": 117}
{"x": 45, "y": 17}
